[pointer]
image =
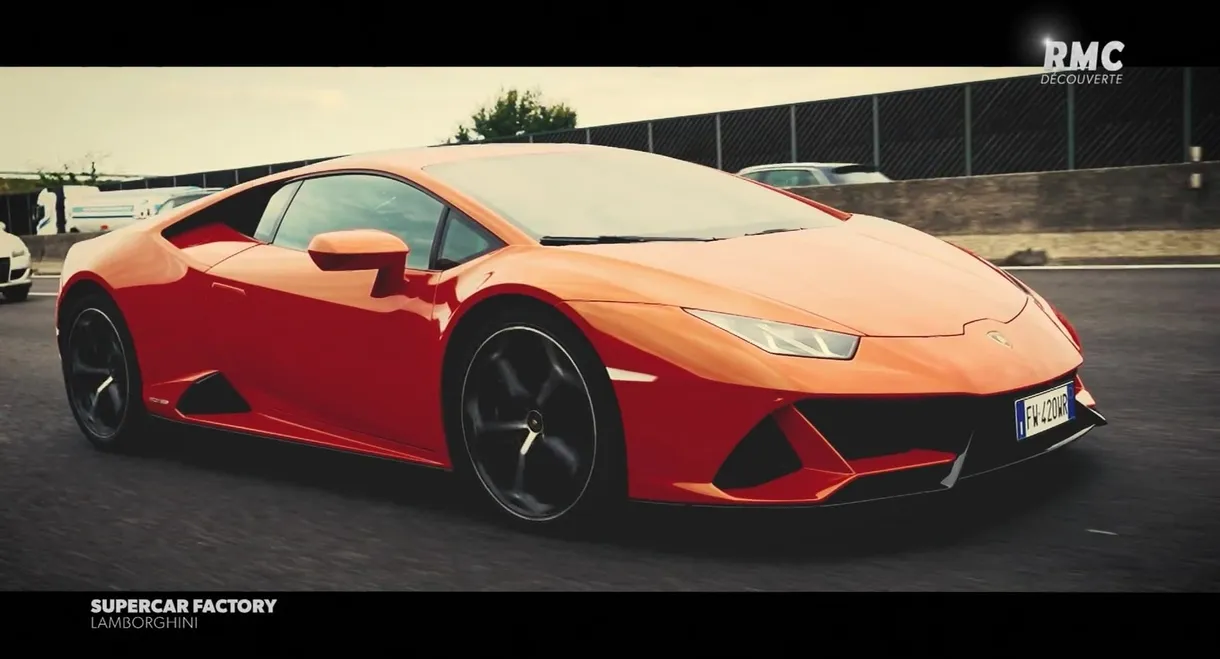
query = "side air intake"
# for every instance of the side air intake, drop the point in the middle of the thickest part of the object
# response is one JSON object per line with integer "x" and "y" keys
{"x": 762, "y": 456}
{"x": 212, "y": 394}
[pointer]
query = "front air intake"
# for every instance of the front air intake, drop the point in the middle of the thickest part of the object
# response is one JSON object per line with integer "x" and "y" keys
{"x": 762, "y": 456}
{"x": 870, "y": 427}
{"x": 212, "y": 394}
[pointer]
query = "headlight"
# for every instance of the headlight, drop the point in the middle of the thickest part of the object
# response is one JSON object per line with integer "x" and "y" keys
{"x": 782, "y": 338}
{"x": 20, "y": 251}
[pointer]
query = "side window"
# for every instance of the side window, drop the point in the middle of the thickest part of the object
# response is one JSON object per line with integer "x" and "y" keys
{"x": 754, "y": 176}
{"x": 789, "y": 178}
{"x": 251, "y": 212}
{"x": 464, "y": 240}
{"x": 362, "y": 201}
{"x": 272, "y": 212}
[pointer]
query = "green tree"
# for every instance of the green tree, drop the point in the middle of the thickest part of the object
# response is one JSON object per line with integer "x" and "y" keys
{"x": 18, "y": 185}
{"x": 66, "y": 176}
{"x": 80, "y": 172}
{"x": 515, "y": 113}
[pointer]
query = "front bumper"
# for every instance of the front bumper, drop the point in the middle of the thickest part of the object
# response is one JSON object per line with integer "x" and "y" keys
{"x": 983, "y": 442}
{"x": 15, "y": 271}
{"x": 829, "y": 452}
{"x": 715, "y": 422}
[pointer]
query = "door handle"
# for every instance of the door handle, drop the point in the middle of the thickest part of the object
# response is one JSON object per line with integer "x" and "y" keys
{"x": 217, "y": 286}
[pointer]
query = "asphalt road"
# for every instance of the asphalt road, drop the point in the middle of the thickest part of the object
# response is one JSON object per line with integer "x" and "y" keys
{"x": 1133, "y": 506}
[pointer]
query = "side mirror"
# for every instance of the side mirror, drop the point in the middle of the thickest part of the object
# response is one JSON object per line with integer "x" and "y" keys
{"x": 363, "y": 249}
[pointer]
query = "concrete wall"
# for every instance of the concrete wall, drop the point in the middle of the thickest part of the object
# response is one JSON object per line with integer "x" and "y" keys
{"x": 1117, "y": 199}
{"x": 1125, "y": 214}
{"x": 49, "y": 251}
{"x": 1117, "y": 215}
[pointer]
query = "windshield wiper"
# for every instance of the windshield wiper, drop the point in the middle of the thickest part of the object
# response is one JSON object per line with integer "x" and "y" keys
{"x": 761, "y": 233}
{"x": 767, "y": 231}
{"x": 606, "y": 240}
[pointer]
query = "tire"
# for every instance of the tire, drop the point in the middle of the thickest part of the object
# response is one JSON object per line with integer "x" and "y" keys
{"x": 16, "y": 293}
{"x": 570, "y": 444}
{"x": 95, "y": 320}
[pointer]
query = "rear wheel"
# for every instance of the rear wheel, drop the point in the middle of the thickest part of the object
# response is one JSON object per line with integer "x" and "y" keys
{"x": 101, "y": 374}
{"x": 540, "y": 432}
{"x": 16, "y": 293}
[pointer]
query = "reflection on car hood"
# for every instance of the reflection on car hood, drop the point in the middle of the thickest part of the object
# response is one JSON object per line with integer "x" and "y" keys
{"x": 878, "y": 277}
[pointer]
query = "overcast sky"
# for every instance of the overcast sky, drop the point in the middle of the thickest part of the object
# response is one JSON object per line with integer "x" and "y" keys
{"x": 181, "y": 120}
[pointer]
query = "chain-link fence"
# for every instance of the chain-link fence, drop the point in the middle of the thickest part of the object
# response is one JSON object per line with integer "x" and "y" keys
{"x": 1000, "y": 126}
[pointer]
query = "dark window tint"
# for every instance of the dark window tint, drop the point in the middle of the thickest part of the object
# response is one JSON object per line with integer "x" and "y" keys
{"x": 602, "y": 191}
{"x": 175, "y": 202}
{"x": 857, "y": 174}
{"x": 186, "y": 199}
{"x": 464, "y": 240}
{"x": 251, "y": 212}
{"x": 789, "y": 178}
{"x": 362, "y": 201}
{"x": 272, "y": 212}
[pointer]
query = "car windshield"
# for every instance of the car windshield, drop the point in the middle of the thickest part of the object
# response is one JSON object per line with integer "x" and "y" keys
{"x": 613, "y": 192}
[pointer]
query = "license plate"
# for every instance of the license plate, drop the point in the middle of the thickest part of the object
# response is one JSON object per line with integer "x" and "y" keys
{"x": 1041, "y": 412}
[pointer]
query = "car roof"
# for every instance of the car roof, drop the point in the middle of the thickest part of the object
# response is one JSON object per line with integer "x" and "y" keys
{"x": 421, "y": 157}
{"x": 410, "y": 162}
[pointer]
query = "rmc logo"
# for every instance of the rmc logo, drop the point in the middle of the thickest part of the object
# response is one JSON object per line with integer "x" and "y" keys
{"x": 1083, "y": 58}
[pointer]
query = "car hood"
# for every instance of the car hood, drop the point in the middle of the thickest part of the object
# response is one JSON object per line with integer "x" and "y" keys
{"x": 877, "y": 277}
{"x": 9, "y": 243}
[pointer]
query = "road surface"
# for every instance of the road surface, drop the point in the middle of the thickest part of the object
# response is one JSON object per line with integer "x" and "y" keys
{"x": 1133, "y": 506}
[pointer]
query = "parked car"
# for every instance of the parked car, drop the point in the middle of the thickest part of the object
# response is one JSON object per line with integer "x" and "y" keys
{"x": 183, "y": 199}
{"x": 14, "y": 266}
{"x": 805, "y": 174}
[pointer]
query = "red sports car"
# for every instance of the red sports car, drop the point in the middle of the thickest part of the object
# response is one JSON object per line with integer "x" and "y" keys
{"x": 568, "y": 327}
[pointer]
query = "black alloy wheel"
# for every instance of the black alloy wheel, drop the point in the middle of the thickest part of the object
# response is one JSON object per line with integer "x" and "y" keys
{"x": 100, "y": 374}
{"x": 537, "y": 426}
{"x": 15, "y": 293}
{"x": 98, "y": 387}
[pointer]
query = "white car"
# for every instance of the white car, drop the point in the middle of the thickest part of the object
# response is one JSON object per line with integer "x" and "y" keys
{"x": 96, "y": 212}
{"x": 805, "y": 174}
{"x": 15, "y": 276}
{"x": 184, "y": 199}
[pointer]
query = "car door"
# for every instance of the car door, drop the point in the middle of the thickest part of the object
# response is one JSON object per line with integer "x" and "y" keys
{"x": 328, "y": 353}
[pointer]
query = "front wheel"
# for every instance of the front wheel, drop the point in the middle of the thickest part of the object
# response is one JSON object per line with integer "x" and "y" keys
{"x": 101, "y": 375}
{"x": 16, "y": 293}
{"x": 540, "y": 427}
